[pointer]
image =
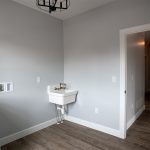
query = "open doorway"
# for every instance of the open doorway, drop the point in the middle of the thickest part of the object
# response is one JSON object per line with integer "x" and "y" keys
{"x": 147, "y": 70}
{"x": 133, "y": 75}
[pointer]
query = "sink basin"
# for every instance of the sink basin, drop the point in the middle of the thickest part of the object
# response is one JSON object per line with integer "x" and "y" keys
{"x": 62, "y": 97}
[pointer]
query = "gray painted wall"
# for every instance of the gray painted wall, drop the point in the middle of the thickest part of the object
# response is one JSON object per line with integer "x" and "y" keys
{"x": 135, "y": 74}
{"x": 92, "y": 58}
{"x": 30, "y": 46}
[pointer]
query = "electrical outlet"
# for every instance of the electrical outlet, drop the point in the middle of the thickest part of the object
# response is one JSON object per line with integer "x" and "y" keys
{"x": 6, "y": 87}
{"x": 96, "y": 110}
{"x": 80, "y": 103}
{"x": 132, "y": 77}
{"x": 2, "y": 87}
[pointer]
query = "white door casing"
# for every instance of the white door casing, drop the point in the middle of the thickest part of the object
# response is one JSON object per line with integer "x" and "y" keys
{"x": 123, "y": 72}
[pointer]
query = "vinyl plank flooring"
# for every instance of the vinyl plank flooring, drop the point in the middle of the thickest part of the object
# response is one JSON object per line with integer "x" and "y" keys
{"x": 70, "y": 136}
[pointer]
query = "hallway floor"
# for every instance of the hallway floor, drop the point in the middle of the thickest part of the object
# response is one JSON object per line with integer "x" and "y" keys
{"x": 147, "y": 102}
{"x": 70, "y": 136}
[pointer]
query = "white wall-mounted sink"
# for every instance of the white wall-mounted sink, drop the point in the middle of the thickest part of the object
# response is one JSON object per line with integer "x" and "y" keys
{"x": 62, "y": 97}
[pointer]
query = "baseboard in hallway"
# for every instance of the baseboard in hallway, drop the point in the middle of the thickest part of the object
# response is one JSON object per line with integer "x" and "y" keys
{"x": 135, "y": 117}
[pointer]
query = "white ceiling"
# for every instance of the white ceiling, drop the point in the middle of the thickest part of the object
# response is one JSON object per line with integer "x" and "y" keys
{"x": 77, "y": 7}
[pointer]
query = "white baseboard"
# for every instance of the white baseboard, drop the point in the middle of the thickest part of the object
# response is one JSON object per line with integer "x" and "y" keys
{"x": 114, "y": 132}
{"x": 21, "y": 134}
{"x": 135, "y": 117}
{"x": 94, "y": 126}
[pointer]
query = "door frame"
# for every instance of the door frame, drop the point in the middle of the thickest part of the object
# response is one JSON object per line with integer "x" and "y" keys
{"x": 123, "y": 73}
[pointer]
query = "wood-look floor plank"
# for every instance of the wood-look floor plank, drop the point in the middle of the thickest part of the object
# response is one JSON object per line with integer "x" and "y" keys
{"x": 70, "y": 136}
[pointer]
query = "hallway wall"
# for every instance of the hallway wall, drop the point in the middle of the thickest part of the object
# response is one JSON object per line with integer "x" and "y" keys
{"x": 135, "y": 74}
{"x": 147, "y": 51}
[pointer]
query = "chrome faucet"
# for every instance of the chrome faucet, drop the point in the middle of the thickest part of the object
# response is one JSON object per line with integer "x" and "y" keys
{"x": 63, "y": 86}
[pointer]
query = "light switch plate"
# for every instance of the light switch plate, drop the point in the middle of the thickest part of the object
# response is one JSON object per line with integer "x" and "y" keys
{"x": 38, "y": 79}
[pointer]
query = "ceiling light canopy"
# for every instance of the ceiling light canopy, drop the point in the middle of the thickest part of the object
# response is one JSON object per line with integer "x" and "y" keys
{"x": 53, "y": 5}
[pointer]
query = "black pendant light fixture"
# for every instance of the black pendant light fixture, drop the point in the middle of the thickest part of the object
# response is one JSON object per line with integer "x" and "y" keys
{"x": 53, "y": 5}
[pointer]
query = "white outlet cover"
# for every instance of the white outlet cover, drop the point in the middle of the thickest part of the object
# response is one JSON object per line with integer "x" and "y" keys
{"x": 96, "y": 110}
{"x": 9, "y": 87}
{"x": 80, "y": 103}
{"x": 132, "y": 77}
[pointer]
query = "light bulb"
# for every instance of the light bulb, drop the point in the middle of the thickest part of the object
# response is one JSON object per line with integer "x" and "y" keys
{"x": 141, "y": 43}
